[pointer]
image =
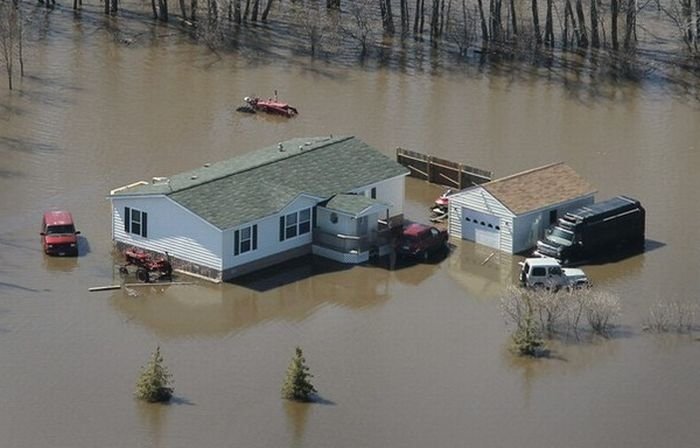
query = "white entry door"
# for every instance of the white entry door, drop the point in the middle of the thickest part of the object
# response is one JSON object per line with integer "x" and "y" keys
{"x": 481, "y": 228}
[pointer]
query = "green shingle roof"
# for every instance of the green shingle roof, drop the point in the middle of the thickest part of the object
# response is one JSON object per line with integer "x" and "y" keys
{"x": 263, "y": 182}
{"x": 352, "y": 204}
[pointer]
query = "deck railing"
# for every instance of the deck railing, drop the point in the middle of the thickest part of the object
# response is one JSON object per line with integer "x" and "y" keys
{"x": 348, "y": 243}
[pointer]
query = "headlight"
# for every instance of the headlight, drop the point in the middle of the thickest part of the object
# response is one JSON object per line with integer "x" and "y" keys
{"x": 50, "y": 246}
{"x": 72, "y": 244}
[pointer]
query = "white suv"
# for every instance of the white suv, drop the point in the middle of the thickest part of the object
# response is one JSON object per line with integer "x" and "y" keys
{"x": 547, "y": 273}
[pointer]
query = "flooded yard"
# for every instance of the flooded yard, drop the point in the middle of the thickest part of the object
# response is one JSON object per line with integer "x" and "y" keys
{"x": 411, "y": 357}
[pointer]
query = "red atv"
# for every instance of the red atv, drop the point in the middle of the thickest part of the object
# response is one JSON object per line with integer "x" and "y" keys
{"x": 148, "y": 267}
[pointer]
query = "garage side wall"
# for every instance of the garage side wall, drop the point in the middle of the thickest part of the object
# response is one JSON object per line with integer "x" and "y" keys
{"x": 530, "y": 227}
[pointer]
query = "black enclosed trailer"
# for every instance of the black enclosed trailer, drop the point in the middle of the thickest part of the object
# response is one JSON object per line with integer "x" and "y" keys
{"x": 596, "y": 230}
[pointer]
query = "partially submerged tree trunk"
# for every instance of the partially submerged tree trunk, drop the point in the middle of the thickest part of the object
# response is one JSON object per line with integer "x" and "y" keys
{"x": 549, "y": 26}
{"x": 266, "y": 12}
{"x": 582, "y": 36}
{"x": 595, "y": 36}
{"x": 484, "y": 27}
{"x": 536, "y": 22}
{"x": 614, "y": 11}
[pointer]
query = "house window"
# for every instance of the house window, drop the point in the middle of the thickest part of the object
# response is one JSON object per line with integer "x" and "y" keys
{"x": 135, "y": 222}
{"x": 245, "y": 239}
{"x": 290, "y": 225}
{"x": 552, "y": 216}
{"x": 294, "y": 224}
{"x": 304, "y": 221}
{"x": 373, "y": 193}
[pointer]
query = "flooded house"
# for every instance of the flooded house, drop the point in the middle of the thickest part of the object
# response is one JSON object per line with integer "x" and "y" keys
{"x": 336, "y": 197}
{"x": 511, "y": 213}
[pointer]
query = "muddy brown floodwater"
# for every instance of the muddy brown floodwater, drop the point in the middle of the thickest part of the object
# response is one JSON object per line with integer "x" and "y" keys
{"x": 411, "y": 357}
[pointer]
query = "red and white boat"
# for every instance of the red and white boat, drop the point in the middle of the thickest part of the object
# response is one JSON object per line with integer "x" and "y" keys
{"x": 270, "y": 106}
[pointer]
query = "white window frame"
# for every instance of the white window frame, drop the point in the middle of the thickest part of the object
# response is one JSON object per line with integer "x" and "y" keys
{"x": 250, "y": 240}
{"x": 132, "y": 214}
{"x": 292, "y": 231}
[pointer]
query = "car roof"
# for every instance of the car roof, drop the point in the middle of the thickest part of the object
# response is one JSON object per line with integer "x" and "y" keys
{"x": 58, "y": 217}
{"x": 415, "y": 229}
{"x": 544, "y": 261}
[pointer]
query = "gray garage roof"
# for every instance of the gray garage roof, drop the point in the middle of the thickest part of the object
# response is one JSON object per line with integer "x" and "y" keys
{"x": 263, "y": 182}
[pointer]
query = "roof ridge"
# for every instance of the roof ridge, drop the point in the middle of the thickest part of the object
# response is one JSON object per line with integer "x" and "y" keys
{"x": 324, "y": 144}
{"x": 522, "y": 173}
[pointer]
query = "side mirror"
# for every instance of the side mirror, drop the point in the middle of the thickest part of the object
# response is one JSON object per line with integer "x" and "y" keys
{"x": 77, "y": 232}
{"x": 42, "y": 233}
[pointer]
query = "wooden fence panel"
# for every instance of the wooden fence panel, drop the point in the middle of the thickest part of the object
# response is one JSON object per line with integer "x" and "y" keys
{"x": 441, "y": 171}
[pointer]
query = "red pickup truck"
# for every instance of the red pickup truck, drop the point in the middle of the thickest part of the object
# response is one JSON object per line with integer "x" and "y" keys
{"x": 58, "y": 234}
{"x": 421, "y": 241}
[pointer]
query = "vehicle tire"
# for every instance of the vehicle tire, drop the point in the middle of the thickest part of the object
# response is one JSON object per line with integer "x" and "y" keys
{"x": 123, "y": 270}
{"x": 538, "y": 286}
{"x": 425, "y": 255}
{"x": 142, "y": 275}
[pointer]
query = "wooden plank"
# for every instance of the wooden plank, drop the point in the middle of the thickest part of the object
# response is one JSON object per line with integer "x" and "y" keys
{"x": 449, "y": 178}
{"x": 104, "y": 288}
{"x": 410, "y": 167}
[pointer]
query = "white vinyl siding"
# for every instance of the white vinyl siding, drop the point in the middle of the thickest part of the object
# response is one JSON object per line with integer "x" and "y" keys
{"x": 481, "y": 201}
{"x": 516, "y": 233}
{"x": 171, "y": 228}
{"x": 390, "y": 191}
{"x": 268, "y": 241}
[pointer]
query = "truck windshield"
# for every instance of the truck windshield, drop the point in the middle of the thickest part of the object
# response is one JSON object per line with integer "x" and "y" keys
{"x": 55, "y": 230}
{"x": 561, "y": 236}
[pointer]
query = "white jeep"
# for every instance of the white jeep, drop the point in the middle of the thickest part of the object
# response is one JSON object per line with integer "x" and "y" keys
{"x": 547, "y": 273}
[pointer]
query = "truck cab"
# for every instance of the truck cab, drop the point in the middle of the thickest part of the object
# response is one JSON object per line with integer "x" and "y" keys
{"x": 58, "y": 234}
{"x": 548, "y": 274}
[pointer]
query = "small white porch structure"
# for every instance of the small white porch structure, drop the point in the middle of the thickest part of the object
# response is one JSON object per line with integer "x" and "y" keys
{"x": 348, "y": 229}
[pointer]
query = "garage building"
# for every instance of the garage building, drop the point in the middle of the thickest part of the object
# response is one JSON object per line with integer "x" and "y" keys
{"x": 510, "y": 214}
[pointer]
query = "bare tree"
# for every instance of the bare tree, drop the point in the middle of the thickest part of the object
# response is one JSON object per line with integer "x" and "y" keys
{"x": 360, "y": 26}
{"x": 10, "y": 34}
{"x": 671, "y": 317}
{"x": 313, "y": 23}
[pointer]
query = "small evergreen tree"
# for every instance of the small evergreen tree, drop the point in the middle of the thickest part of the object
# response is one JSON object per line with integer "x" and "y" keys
{"x": 296, "y": 384}
{"x": 153, "y": 385}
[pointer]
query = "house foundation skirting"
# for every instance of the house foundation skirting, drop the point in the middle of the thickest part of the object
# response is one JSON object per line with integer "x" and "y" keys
{"x": 270, "y": 260}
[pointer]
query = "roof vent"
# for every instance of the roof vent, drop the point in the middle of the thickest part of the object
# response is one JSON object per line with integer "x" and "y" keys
{"x": 280, "y": 147}
{"x": 193, "y": 177}
{"x": 159, "y": 180}
{"x": 308, "y": 143}
{"x": 207, "y": 165}
{"x": 301, "y": 147}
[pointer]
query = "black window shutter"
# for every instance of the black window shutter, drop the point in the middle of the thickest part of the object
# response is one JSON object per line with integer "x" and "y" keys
{"x": 281, "y": 228}
{"x": 313, "y": 217}
{"x": 236, "y": 242}
{"x": 127, "y": 219}
{"x": 255, "y": 236}
{"x": 374, "y": 193}
{"x": 144, "y": 224}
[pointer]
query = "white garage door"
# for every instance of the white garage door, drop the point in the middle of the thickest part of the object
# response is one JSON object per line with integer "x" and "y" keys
{"x": 481, "y": 228}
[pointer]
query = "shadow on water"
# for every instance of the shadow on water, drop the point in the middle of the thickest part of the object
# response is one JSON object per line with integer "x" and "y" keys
{"x": 26, "y": 145}
{"x": 283, "y": 293}
{"x": 10, "y": 174}
{"x": 289, "y": 272}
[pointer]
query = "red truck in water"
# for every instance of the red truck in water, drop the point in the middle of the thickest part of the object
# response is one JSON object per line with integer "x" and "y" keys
{"x": 421, "y": 241}
{"x": 58, "y": 234}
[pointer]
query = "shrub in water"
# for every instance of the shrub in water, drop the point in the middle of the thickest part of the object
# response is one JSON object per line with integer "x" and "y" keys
{"x": 296, "y": 385}
{"x": 154, "y": 383}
